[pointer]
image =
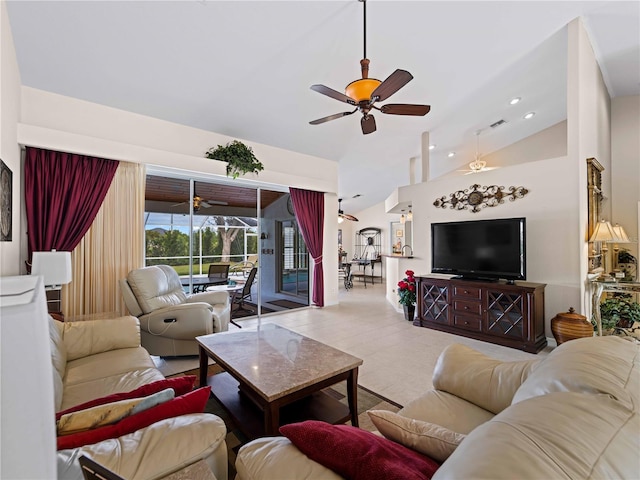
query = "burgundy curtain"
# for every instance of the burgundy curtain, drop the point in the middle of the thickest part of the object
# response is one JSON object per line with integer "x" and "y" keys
{"x": 63, "y": 193}
{"x": 309, "y": 208}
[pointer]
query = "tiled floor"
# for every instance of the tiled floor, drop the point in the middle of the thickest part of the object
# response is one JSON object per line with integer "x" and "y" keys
{"x": 399, "y": 358}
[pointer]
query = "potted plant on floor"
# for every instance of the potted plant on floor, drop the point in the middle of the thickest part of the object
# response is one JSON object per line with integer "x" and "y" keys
{"x": 240, "y": 158}
{"x": 407, "y": 294}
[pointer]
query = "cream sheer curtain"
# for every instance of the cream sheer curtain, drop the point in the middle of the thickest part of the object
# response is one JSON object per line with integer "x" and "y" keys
{"x": 113, "y": 246}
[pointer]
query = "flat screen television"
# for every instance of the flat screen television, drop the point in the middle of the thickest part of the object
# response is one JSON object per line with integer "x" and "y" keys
{"x": 480, "y": 249}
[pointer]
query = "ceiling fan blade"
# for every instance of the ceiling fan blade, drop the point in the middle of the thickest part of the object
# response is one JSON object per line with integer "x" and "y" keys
{"x": 346, "y": 216}
{"x": 178, "y": 204}
{"x": 368, "y": 124}
{"x": 405, "y": 109}
{"x": 391, "y": 85}
{"x": 330, "y": 92}
{"x": 214, "y": 202}
{"x": 331, "y": 117}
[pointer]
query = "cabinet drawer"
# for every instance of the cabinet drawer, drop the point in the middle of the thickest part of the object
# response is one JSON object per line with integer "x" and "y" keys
{"x": 468, "y": 323}
{"x": 467, "y": 292}
{"x": 467, "y": 307}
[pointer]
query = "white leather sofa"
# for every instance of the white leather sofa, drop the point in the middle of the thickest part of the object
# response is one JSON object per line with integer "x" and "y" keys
{"x": 93, "y": 359}
{"x": 170, "y": 319}
{"x": 570, "y": 415}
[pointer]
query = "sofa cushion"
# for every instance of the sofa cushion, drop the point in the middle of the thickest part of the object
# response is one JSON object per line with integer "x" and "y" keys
{"x": 156, "y": 287}
{"x": 156, "y": 451}
{"x": 588, "y": 365}
{"x": 447, "y": 410}
{"x": 86, "y": 338}
{"x": 58, "y": 360}
{"x": 109, "y": 413}
{"x": 427, "y": 438}
{"x": 493, "y": 384}
{"x": 180, "y": 386}
{"x": 192, "y": 402}
{"x": 558, "y": 435}
{"x": 357, "y": 454}
{"x": 106, "y": 373}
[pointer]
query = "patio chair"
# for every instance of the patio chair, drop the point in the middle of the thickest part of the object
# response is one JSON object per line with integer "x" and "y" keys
{"x": 219, "y": 273}
{"x": 246, "y": 290}
{"x": 245, "y": 266}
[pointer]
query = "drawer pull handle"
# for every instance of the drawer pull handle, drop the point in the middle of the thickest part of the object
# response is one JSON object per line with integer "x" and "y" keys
{"x": 466, "y": 291}
{"x": 466, "y": 323}
{"x": 466, "y": 307}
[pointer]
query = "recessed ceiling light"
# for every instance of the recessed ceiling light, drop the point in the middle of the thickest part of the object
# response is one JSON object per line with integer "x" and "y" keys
{"x": 451, "y": 154}
{"x": 529, "y": 115}
{"x": 514, "y": 100}
{"x": 431, "y": 147}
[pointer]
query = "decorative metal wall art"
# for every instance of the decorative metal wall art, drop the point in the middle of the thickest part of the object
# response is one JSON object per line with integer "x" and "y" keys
{"x": 478, "y": 197}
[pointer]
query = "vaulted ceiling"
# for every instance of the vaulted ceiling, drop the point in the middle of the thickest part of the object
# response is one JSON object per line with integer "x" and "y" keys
{"x": 244, "y": 69}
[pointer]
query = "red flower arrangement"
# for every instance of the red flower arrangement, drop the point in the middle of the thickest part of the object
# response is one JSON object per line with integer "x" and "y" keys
{"x": 407, "y": 289}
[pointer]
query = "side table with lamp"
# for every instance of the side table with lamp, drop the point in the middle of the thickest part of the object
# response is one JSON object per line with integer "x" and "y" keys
{"x": 55, "y": 268}
{"x": 608, "y": 281}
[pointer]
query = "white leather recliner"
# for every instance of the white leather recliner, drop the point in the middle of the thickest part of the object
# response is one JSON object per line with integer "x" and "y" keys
{"x": 169, "y": 318}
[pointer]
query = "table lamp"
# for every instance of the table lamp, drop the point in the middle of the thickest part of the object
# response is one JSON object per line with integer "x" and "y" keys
{"x": 603, "y": 234}
{"x": 54, "y": 266}
{"x": 621, "y": 237}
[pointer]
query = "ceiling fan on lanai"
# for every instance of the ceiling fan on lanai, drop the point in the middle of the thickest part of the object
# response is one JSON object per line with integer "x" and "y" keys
{"x": 365, "y": 92}
{"x": 199, "y": 202}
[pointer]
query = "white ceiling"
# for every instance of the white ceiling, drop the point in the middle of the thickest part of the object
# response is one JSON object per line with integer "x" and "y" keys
{"x": 244, "y": 69}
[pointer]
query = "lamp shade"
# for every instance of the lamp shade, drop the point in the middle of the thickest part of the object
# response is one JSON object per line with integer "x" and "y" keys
{"x": 54, "y": 266}
{"x": 620, "y": 234}
{"x": 603, "y": 232}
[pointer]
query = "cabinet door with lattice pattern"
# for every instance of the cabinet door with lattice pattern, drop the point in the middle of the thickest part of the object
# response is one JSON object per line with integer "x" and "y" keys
{"x": 505, "y": 314}
{"x": 433, "y": 304}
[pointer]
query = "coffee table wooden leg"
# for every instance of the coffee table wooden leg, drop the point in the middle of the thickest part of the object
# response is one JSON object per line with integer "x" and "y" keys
{"x": 271, "y": 419}
{"x": 352, "y": 395}
{"x": 204, "y": 366}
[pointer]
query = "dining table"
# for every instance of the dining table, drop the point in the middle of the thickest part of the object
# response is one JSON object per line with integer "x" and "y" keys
{"x": 201, "y": 282}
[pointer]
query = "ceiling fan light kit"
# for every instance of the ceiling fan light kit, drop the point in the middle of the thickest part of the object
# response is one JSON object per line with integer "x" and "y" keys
{"x": 365, "y": 92}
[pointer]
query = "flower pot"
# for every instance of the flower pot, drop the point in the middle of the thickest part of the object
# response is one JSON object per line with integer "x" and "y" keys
{"x": 409, "y": 312}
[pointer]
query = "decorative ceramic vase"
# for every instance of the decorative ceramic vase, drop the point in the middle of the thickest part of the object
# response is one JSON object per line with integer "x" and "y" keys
{"x": 409, "y": 312}
{"x": 569, "y": 326}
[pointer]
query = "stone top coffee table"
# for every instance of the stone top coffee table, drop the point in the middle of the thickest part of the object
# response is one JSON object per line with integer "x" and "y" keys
{"x": 274, "y": 376}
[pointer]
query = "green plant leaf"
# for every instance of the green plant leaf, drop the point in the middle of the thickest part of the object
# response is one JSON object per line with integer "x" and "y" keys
{"x": 239, "y": 157}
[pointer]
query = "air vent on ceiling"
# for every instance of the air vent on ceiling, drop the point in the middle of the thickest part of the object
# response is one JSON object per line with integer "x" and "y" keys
{"x": 498, "y": 123}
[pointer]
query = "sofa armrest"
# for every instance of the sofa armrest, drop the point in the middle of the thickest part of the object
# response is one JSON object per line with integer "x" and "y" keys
{"x": 82, "y": 339}
{"x": 271, "y": 458}
{"x": 183, "y": 322}
{"x": 212, "y": 298}
{"x": 157, "y": 450}
{"x": 479, "y": 379}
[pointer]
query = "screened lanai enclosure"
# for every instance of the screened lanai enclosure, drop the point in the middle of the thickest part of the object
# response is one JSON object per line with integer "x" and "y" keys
{"x": 227, "y": 224}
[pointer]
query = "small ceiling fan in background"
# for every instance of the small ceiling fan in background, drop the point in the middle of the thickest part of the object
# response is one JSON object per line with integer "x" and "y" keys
{"x": 477, "y": 165}
{"x": 344, "y": 216}
{"x": 198, "y": 202}
{"x": 365, "y": 92}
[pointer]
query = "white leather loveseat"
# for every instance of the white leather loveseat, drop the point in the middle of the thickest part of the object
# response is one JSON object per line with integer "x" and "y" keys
{"x": 97, "y": 358}
{"x": 571, "y": 415}
{"x": 170, "y": 319}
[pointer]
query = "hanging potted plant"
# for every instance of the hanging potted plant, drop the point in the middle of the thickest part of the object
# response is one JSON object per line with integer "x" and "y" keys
{"x": 407, "y": 294}
{"x": 240, "y": 158}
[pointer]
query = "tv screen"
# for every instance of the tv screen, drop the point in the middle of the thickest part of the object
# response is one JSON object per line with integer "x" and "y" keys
{"x": 482, "y": 249}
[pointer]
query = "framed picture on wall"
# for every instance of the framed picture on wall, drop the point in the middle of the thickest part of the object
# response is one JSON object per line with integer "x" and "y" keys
{"x": 6, "y": 195}
{"x": 594, "y": 207}
{"x": 399, "y": 233}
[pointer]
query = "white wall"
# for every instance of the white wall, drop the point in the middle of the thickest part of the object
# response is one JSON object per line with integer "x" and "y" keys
{"x": 625, "y": 166}
{"x": 9, "y": 149}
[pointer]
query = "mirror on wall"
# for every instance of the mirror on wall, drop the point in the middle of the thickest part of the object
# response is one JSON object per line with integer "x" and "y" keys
{"x": 401, "y": 240}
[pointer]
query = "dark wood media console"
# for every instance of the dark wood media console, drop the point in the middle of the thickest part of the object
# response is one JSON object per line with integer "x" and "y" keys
{"x": 496, "y": 312}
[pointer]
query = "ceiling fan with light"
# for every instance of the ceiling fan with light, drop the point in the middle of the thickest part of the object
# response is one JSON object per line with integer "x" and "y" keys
{"x": 365, "y": 92}
{"x": 344, "y": 216}
{"x": 477, "y": 165}
{"x": 198, "y": 202}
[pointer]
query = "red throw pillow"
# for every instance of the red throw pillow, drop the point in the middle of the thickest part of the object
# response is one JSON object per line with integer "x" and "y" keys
{"x": 357, "y": 454}
{"x": 192, "y": 402}
{"x": 180, "y": 385}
